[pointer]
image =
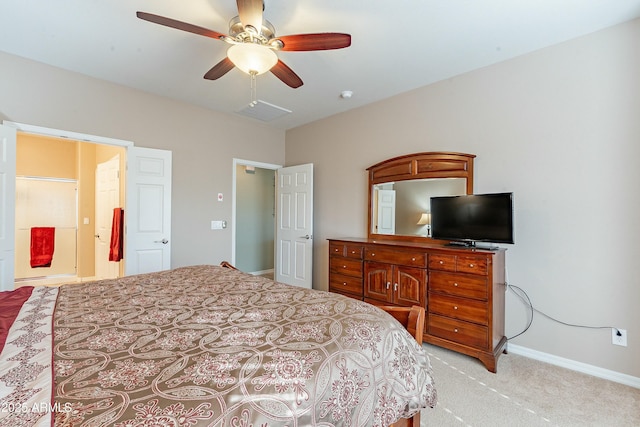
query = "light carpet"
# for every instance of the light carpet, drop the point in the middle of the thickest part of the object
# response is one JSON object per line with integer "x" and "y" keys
{"x": 524, "y": 392}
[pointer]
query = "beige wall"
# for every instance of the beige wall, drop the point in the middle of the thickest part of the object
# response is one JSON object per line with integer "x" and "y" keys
{"x": 86, "y": 167}
{"x": 37, "y": 156}
{"x": 203, "y": 142}
{"x": 560, "y": 128}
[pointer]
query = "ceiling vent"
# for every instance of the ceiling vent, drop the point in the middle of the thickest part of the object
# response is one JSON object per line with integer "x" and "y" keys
{"x": 264, "y": 111}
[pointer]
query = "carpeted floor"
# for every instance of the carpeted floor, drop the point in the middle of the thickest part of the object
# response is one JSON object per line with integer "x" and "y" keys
{"x": 524, "y": 392}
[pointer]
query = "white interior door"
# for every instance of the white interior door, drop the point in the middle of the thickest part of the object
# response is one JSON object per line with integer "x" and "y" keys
{"x": 148, "y": 211}
{"x": 7, "y": 205}
{"x": 294, "y": 225}
{"x": 107, "y": 199}
{"x": 386, "y": 217}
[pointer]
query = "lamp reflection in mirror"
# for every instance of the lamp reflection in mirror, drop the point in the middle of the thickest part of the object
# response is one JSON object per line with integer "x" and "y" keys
{"x": 425, "y": 219}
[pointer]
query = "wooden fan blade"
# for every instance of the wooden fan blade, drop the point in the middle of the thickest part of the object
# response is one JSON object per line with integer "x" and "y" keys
{"x": 250, "y": 13}
{"x": 172, "y": 23}
{"x": 317, "y": 41}
{"x": 286, "y": 74}
{"x": 219, "y": 70}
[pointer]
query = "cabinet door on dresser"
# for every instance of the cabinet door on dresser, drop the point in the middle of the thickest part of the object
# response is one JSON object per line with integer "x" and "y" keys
{"x": 410, "y": 286}
{"x": 377, "y": 279}
{"x": 394, "y": 284}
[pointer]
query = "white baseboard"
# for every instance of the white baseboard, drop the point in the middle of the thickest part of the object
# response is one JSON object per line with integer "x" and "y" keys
{"x": 261, "y": 272}
{"x": 575, "y": 366}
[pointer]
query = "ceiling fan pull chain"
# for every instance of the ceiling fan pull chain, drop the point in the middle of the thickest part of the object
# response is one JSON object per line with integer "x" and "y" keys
{"x": 254, "y": 97}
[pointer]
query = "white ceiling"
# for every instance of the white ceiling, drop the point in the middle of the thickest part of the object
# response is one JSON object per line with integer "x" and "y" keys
{"x": 397, "y": 45}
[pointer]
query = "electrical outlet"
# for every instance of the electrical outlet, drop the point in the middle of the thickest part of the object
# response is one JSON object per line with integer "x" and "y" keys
{"x": 619, "y": 339}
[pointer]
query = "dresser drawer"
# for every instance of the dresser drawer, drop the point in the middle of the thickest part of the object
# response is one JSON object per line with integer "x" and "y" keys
{"x": 459, "y": 308}
{"x": 346, "y": 266}
{"x": 337, "y": 249}
{"x": 472, "y": 265}
{"x": 442, "y": 262}
{"x": 346, "y": 250}
{"x": 390, "y": 256}
{"x": 458, "y": 284}
{"x": 354, "y": 251}
{"x": 459, "y": 263}
{"x": 458, "y": 331}
{"x": 349, "y": 284}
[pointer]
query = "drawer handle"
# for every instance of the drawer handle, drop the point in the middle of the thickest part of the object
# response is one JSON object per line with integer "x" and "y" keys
{"x": 395, "y": 286}
{"x": 344, "y": 266}
{"x": 353, "y": 252}
{"x": 455, "y": 307}
{"x": 455, "y": 330}
{"x": 373, "y": 254}
{"x": 471, "y": 265}
{"x": 441, "y": 262}
{"x": 455, "y": 284}
{"x": 344, "y": 283}
{"x": 388, "y": 285}
{"x": 413, "y": 259}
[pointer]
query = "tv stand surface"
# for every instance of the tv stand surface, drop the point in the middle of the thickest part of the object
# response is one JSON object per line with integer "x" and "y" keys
{"x": 457, "y": 244}
{"x": 471, "y": 245}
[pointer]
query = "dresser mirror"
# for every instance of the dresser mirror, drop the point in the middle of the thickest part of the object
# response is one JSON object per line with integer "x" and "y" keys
{"x": 400, "y": 190}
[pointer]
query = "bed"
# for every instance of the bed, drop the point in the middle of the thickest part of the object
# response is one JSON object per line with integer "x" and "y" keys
{"x": 205, "y": 346}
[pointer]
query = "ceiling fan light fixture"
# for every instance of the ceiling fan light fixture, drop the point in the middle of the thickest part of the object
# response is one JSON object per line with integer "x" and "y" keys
{"x": 252, "y": 58}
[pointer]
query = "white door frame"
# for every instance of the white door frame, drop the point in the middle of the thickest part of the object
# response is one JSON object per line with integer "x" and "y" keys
{"x": 242, "y": 162}
{"x": 7, "y": 207}
{"x": 57, "y": 133}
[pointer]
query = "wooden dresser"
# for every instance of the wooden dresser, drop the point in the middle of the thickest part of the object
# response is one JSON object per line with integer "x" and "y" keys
{"x": 461, "y": 289}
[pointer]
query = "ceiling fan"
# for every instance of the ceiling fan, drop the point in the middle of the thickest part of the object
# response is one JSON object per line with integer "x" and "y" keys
{"x": 254, "y": 43}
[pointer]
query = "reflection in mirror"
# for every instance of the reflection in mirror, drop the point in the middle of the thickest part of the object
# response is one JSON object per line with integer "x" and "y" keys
{"x": 398, "y": 207}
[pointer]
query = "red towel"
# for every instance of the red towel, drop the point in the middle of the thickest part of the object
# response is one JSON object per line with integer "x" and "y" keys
{"x": 116, "y": 246}
{"x": 42, "y": 244}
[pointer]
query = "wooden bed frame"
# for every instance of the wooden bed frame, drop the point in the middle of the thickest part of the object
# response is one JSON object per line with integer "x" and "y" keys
{"x": 412, "y": 318}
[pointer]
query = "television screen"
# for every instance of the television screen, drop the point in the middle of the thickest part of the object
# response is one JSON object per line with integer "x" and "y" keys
{"x": 473, "y": 218}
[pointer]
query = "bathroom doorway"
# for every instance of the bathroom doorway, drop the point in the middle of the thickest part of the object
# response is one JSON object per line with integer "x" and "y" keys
{"x": 41, "y": 158}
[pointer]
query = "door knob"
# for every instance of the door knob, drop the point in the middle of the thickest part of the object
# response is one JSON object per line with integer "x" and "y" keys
{"x": 163, "y": 241}
{"x": 306, "y": 236}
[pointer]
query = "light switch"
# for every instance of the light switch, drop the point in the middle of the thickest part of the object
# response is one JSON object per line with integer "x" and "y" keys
{"x": 218, "y": 225}
{"x": 86, "y": 221}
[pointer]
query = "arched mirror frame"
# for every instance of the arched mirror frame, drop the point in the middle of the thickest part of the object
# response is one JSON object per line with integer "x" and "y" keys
{"x": 427, "y": 165}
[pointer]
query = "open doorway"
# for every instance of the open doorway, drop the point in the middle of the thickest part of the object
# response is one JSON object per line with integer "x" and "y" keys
{"x": 55, "y": 161}
{"x": 254, "y": 212}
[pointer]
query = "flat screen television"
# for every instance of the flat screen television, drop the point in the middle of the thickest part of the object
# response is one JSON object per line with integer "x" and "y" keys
{"x": 473, "y": 218}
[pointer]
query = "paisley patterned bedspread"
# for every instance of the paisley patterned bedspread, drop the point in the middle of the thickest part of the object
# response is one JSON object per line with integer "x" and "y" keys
{"x": 212, "y": 346}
